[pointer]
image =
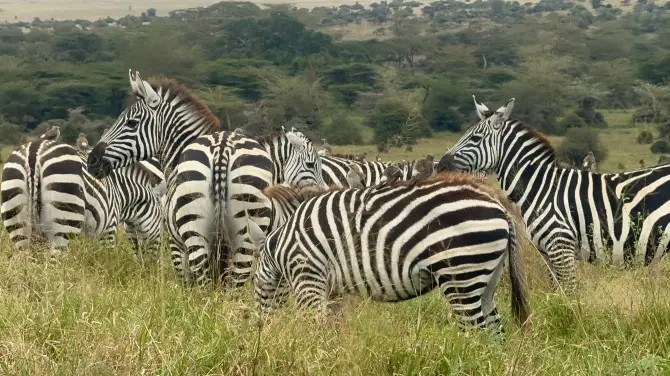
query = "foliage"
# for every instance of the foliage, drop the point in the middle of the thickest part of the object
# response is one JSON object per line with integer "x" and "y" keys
{"x": 577, "y": 144}
{"x": 572, "y": 120}
{"x": 277, "y": 38}
{"x": 557, "y": 58}
{"x": 395, "y": 122}
{"x": 343, "y": 129}
{"x": 644, "y": 137}
{"x": 11, "y": 133}
{"x": 660, "y": 147}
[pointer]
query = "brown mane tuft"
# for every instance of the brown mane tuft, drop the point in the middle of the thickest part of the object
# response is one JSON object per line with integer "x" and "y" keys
{"x": 536, "y": 134}
{"x": 302, "y": 193}
{"x": 350, "y": 157}
{"x": 175, "y": 90}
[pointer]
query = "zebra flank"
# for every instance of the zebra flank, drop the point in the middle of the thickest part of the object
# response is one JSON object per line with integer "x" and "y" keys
{"x": 569, "y": 214}
{"x": 394, "y": 244}
{"x": 47, "y": 191}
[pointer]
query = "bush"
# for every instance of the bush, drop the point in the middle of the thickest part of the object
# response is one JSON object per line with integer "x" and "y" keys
{"x": 445, "y": 119}
{"x": 571, "y": 121}
{"x": 645, "y": 137}
{"x": 577, "y": 144}
{"x": 343, "y": 130}
{"x": 395, "y": 123}
{"x": 660, "y": 147}
{"x": 11, "y": 134}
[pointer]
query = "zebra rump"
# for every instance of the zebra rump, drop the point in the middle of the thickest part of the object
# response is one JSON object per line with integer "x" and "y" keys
{"x": 42, "y": 194}
{"x": 47, "y": 191}
{"x": 395, "y": 244}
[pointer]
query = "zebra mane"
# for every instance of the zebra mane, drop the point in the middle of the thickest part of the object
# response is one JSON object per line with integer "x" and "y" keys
{"x": 350, "y": 157}
{"x": 176, "y": 91}
{"x": 268, "y": 138}
{"x": 537, "y": 135}
{"x": 285, "y": 192}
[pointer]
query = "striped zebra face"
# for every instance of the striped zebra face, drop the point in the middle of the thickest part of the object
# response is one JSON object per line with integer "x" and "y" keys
{"x": 303, "y": 165}
{"x": 134, "y": 137}
{"x": 480, "y": 147}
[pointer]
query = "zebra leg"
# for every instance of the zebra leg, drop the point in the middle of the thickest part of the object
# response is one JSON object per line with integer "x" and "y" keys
{"x": 466, "y": 303}
{"x": 271, "y": 289}
{"x": 311, "y": 290}
{"x": 143, "y": 238}
{"x": 562, "y": 267}
{"x": 489, "y": 310}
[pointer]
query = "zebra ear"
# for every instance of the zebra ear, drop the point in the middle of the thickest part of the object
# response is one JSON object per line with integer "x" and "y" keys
{"x": 295, "y": 140}
{"x": 482, "y": 111}
{"x": 502, "y": 114}
{"x": 152, "y": 98}
{"x": 138, "y": 86}
{"x": 507, "y": 111}
{"x": 133, "y": 85}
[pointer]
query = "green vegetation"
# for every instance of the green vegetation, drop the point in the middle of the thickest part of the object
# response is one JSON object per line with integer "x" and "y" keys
{"x": 567, "y": 65}
{"x": 110, "y": 313}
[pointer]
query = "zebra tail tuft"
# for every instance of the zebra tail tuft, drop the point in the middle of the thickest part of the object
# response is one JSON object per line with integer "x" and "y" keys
{"x": 520, "y": 301}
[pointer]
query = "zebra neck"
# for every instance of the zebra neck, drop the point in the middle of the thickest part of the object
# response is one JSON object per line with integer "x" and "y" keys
{"x": 186, "y": 128}
{"x": 521, "y": 160}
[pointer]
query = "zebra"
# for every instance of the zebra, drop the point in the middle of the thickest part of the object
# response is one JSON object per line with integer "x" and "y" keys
{"x": 336, "y": 166}
{"x": 394, "y": 244}
{"x": 569, "y": 214}
{"x": 214, "y": 179}
{"x": 46, "y": 185}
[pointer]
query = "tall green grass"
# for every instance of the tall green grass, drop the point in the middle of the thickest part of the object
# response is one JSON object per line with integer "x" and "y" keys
{"x": 109, "y": 312}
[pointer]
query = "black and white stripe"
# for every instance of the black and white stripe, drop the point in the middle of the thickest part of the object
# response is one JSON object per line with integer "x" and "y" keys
{"x": 569, "y": 214}
{"x": 215, "y": 181}
{"x": 46, "y": 190}
{"x": 394, "y": 244}
{"x": 335, "y": 170}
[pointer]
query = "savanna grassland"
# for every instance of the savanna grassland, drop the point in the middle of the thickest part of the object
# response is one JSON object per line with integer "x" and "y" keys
{"x": 111, "y": 312}
{"x": 591, "y": 75}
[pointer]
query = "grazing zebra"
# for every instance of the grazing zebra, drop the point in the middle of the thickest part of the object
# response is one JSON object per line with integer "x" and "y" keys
{"x": 215, "y": 180}
{"x": 394, "y": 244}
{"x": 336, "y": 166}
{"x": 569, "y": 213}
{"x": 47, "y": 190}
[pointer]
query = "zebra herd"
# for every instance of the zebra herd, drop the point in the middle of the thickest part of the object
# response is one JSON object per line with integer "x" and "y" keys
{"x": 226, "y": 199}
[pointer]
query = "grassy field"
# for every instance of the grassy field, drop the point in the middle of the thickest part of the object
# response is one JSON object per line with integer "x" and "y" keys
{"x": 102, "y": 312}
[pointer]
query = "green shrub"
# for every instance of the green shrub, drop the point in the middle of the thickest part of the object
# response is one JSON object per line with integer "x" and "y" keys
{"x": 660, "y": 147}
{"x": 572, "y": 120}
{"x": 577, "y": 144}
{"x": 645, "y": 137}
{"x": 343, "y": 130}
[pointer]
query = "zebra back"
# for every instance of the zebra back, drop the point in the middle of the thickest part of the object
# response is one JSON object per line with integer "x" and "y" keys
{"x": 335, "y": 168}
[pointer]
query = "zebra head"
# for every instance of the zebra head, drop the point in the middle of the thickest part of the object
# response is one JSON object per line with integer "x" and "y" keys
{"x": 480, "y": 147}
{"x": 302, "y": 164}
{"x": 134, "y": 137}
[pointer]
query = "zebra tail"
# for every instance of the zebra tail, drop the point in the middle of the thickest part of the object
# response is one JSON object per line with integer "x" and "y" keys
{"x": 221, "y": 256}
{"x": 520, "y": 302}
